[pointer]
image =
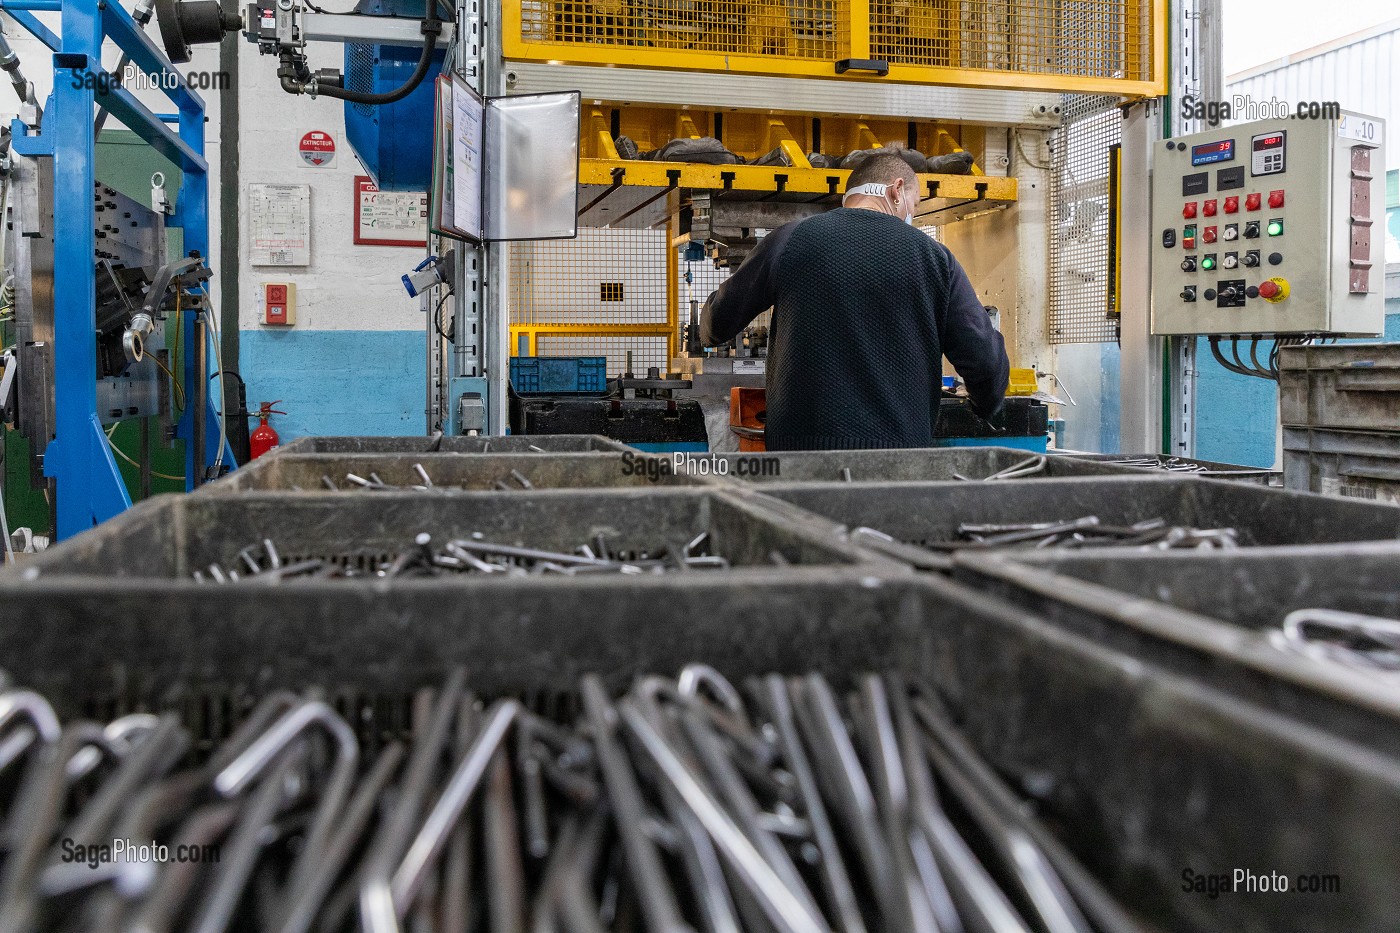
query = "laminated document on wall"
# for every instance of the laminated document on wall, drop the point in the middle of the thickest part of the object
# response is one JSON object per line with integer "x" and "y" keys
{"x": 504, "y": 168}
{"x": 457, "y": 137}
{"x": 279, "y": 220}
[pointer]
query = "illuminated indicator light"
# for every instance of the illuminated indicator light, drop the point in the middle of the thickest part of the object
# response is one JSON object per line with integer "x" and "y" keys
{"x": 1189, "y": 210}
{"x": 1232, "y": 204}
{"x": 1275, "y": 227}
{"x": 1251, "y": 202}
{"x": 1276, "y": 198}
{"x": 1208, "y": 208}
{"x": 1208, "y": 263}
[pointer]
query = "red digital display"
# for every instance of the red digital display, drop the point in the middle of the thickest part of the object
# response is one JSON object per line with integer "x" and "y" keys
{"x": 1206, "y": 153}
{"x": 1267, "y": 142}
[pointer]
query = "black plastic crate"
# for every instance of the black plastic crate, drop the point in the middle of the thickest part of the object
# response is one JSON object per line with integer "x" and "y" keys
{"x": 509, "y": 443}
{"x": 173, "y": 536}
{"x": 920, "y": 514}
{"x": 1185, "y": 466}
{"x": 502, "y": 472}
{"x": 927, "y": 464}
{"x": 1142, "y": 772}
{"x": 1212, "y": 616}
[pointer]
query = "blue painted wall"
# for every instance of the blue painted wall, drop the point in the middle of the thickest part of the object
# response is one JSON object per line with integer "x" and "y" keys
{"x": 1236, "y": 415}
{"x": 364, "y": 382}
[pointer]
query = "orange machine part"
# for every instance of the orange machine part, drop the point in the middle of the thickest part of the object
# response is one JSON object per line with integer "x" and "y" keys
{"x": 747, "y": 408}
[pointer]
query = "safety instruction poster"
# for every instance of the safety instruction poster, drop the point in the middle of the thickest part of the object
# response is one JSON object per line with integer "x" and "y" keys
{"x": 389, "y": 218}
{"x": 457, "y": 144}
{"x": 280, "y": 225}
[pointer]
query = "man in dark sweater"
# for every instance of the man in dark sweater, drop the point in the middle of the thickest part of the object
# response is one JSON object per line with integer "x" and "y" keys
{"x": 865, "y": 306}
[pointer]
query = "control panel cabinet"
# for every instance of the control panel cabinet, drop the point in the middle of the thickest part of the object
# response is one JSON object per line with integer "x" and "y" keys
{"x": 1273, "y": 227}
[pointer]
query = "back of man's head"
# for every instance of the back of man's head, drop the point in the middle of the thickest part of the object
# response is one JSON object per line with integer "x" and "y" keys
{"x": 882, "y": 168}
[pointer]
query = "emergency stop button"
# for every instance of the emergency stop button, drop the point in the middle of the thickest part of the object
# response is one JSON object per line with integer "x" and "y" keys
{"x": 1274, "y": 290}
{"x": 1276, "y": 198}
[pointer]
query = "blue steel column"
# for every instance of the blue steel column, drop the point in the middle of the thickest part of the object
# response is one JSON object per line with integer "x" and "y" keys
{"x": 90, "y": 486}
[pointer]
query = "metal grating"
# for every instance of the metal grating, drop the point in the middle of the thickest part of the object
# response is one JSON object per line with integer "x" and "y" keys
{"x": 1080, "y": 276}
{"x": 564, "y": 281}
{"x": 1107, "y": 40}
{"x": 646, "y": 351}
{"x": 600, "y": 294}
{"x": 802, "y": 29}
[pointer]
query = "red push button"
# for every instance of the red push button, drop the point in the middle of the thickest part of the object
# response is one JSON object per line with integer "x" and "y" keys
{"x": 1276, "y": 198}
{"x": 1208, "y": 235}
{"x": 1188, "y": 242}
{"x": 1232, "y": 204}
{"x": 1208, "y": 208}
{"x": 1268, "y": 289}
{"x": 1189, "y": 210}
{"x": 1251, "y": 202}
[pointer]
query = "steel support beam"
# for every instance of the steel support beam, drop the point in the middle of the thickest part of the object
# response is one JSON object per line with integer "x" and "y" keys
{"x": 1141, "y": 379}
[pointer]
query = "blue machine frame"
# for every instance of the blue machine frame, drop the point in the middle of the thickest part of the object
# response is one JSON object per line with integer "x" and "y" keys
{"x": 90, "y": 488}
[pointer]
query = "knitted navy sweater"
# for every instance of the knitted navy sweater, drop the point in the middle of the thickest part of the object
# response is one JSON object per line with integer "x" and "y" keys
{"x": 864, "y": 308}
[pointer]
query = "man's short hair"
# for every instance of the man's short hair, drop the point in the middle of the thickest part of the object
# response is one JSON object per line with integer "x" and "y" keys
{"x": 882, "y": 168}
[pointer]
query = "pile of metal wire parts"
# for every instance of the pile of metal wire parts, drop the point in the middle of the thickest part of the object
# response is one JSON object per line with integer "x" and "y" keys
{"x": 1088, "y": 532}
{"x": 1370, "y": 644}
{"x": 472, "y": 555}
{"x": 372, "y": 483}
{"x": 1179, "y": 465}
{"x": 1028, "y": 467}
{"x": 683, "y": 806}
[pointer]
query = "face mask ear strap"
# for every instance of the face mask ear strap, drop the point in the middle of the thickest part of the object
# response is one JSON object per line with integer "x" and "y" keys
{"x": 874, "y": 189}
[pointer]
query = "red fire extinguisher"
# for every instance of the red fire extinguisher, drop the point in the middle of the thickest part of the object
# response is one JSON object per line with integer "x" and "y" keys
{"x": 264, "y": 438}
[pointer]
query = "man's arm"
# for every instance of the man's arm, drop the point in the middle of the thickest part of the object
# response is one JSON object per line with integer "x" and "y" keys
{"x": 746, "y": 294}
{"x": 973, "y": 345}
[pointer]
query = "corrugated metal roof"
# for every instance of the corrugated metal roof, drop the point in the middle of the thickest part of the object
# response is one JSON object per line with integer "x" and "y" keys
{"x": 1361, "y": 72}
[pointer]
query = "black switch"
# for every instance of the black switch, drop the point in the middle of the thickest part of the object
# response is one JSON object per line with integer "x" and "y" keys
{"x": 1275, "y": 258}
{"x": 1188, "y": 264}
{"x": 1188, "y": 293}
{"x": 1252, "y": 291}
{"x": 1251, "y": 259}
{"x": 1210, "y": 294}
{"x": 1251, "y": 229}
{"x": 1169, "y": 237}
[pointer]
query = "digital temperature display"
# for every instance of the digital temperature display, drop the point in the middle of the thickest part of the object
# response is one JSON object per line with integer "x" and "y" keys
{"x": 1267, "y": 142}
{"x": 1206, "y": 153}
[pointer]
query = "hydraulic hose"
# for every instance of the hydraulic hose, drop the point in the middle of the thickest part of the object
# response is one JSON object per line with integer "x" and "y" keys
{"x": 432, "y": 27}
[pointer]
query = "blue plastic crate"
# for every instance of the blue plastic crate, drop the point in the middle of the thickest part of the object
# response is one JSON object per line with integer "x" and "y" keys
{"x": 559, "y": 375}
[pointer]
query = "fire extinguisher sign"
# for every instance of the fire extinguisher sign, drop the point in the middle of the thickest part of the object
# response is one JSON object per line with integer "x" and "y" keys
{"x": 317, "y": 149}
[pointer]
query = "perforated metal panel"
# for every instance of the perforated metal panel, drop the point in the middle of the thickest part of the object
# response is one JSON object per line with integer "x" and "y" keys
{"x": 646, "y": 351}
{"x": 600, "y": 294}
{"x": 1080, "y": 274}
{"x": 1068, "y": 45}
{"x": 792, "y": 29}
